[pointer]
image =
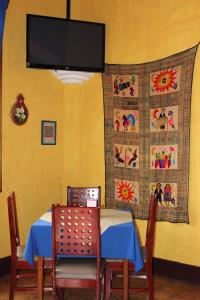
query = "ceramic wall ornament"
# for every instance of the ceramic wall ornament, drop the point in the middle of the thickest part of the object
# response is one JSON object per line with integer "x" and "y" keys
{"x": 19, "y": 111}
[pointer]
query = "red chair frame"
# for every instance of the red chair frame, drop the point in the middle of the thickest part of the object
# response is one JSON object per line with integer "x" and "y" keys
{"x": 76, "y": 233}
{"x": 17, "y": 264}
{"x": 20, "y": 268}
{"x": 116, "y": 267}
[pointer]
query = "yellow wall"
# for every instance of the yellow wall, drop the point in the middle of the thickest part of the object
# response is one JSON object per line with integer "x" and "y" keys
{"x": 33, "y": 171}
{"x": 136, "y": 31}
{"x": 84, "y": 135}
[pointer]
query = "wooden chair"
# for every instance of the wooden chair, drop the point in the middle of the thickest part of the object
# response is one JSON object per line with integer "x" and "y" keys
{"x": 76, "y": 235}
{"x": 78, "y": 196}
{"x": 20, "y": 268}
{"x": 115, "y": 267}
{"x": 18, "y": 263}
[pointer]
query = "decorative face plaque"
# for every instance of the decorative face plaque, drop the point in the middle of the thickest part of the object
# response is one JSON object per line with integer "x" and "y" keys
{"x": 19, "y": 111}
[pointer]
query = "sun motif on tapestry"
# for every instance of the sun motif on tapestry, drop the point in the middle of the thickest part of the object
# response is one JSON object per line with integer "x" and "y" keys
{"x": 165, "y": 81}
{"x": 127, "y": 191}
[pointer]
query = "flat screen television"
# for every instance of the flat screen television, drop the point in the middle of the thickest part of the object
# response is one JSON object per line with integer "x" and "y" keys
{"x": 64, "y": 44}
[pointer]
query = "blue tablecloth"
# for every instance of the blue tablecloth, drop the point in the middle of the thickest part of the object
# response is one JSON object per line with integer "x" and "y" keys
{"x": 117, "y": 241}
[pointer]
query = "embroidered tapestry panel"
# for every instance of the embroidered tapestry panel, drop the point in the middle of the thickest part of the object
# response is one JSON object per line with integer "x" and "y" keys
{"x": 147, "y": 126}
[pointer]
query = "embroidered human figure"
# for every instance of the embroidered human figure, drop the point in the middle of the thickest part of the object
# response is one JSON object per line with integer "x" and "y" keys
{"x": 167, "y": 194}
{"x": 158, "y": 193}
{"x": 162, "y": 119}
{"x": 171, "y": 119}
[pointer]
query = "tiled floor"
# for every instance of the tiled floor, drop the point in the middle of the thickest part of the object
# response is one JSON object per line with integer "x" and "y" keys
{"x": 165, "y": 289}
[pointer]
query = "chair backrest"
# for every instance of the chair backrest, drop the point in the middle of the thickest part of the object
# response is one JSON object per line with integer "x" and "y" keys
{"x": 79, "y": 196}
{"x": 150, "y": 232}
{"x": 13, "y": 224}
{"x": 76, "y": 231}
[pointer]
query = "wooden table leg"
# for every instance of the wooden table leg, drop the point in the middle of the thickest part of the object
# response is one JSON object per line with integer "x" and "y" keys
{"x": 40, "y": 277}
{"x": 125, "y": 267}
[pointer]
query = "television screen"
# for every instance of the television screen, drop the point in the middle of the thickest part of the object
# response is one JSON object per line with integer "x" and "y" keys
{"x": 65, "y": 44}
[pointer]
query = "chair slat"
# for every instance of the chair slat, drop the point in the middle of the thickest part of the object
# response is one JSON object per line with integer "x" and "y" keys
{"x": 76, "y": 234}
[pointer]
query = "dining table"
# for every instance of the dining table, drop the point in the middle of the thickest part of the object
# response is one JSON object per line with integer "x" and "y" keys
{"x": 119, "y": 240}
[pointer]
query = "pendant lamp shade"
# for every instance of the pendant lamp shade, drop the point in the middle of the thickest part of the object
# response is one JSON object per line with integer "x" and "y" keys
{"x": 72, "y": 76}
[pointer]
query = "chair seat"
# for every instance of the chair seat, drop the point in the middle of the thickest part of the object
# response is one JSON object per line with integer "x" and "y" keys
{"x": 83, "y": 268}
{"x": 114, "y": 260}
{"x": 20, "y": 252}
{"x": 20, "y": 257}
{"x": 119, "y": 260}
{"x": 144, "y": 253}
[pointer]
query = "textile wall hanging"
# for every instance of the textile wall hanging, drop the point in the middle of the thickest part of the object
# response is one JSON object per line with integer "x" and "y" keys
{"x": 147, "y": 126}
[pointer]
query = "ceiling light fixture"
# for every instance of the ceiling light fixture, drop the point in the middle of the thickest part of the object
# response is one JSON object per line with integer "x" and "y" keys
{"x": 72, "y": 76}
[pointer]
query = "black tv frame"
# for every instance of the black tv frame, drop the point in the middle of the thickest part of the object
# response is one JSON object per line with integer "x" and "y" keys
{"x": 61, "y": 67}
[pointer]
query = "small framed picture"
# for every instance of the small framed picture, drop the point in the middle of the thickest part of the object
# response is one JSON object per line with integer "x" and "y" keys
{"x": 48, "y": 132}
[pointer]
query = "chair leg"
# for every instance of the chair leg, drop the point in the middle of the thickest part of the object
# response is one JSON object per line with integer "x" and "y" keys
{"x": 54, "y": 292}
{"x": 151, "y": 286}
{"x": 102, "y": 288}
{"x": 12, "y": 282}
{"x": 54, "y": 295}
{"x": 97, "y": 294}
{"x": 99, "y": 289}
{"x": 61, "y": 294}
{"x": 107, "y": 289}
